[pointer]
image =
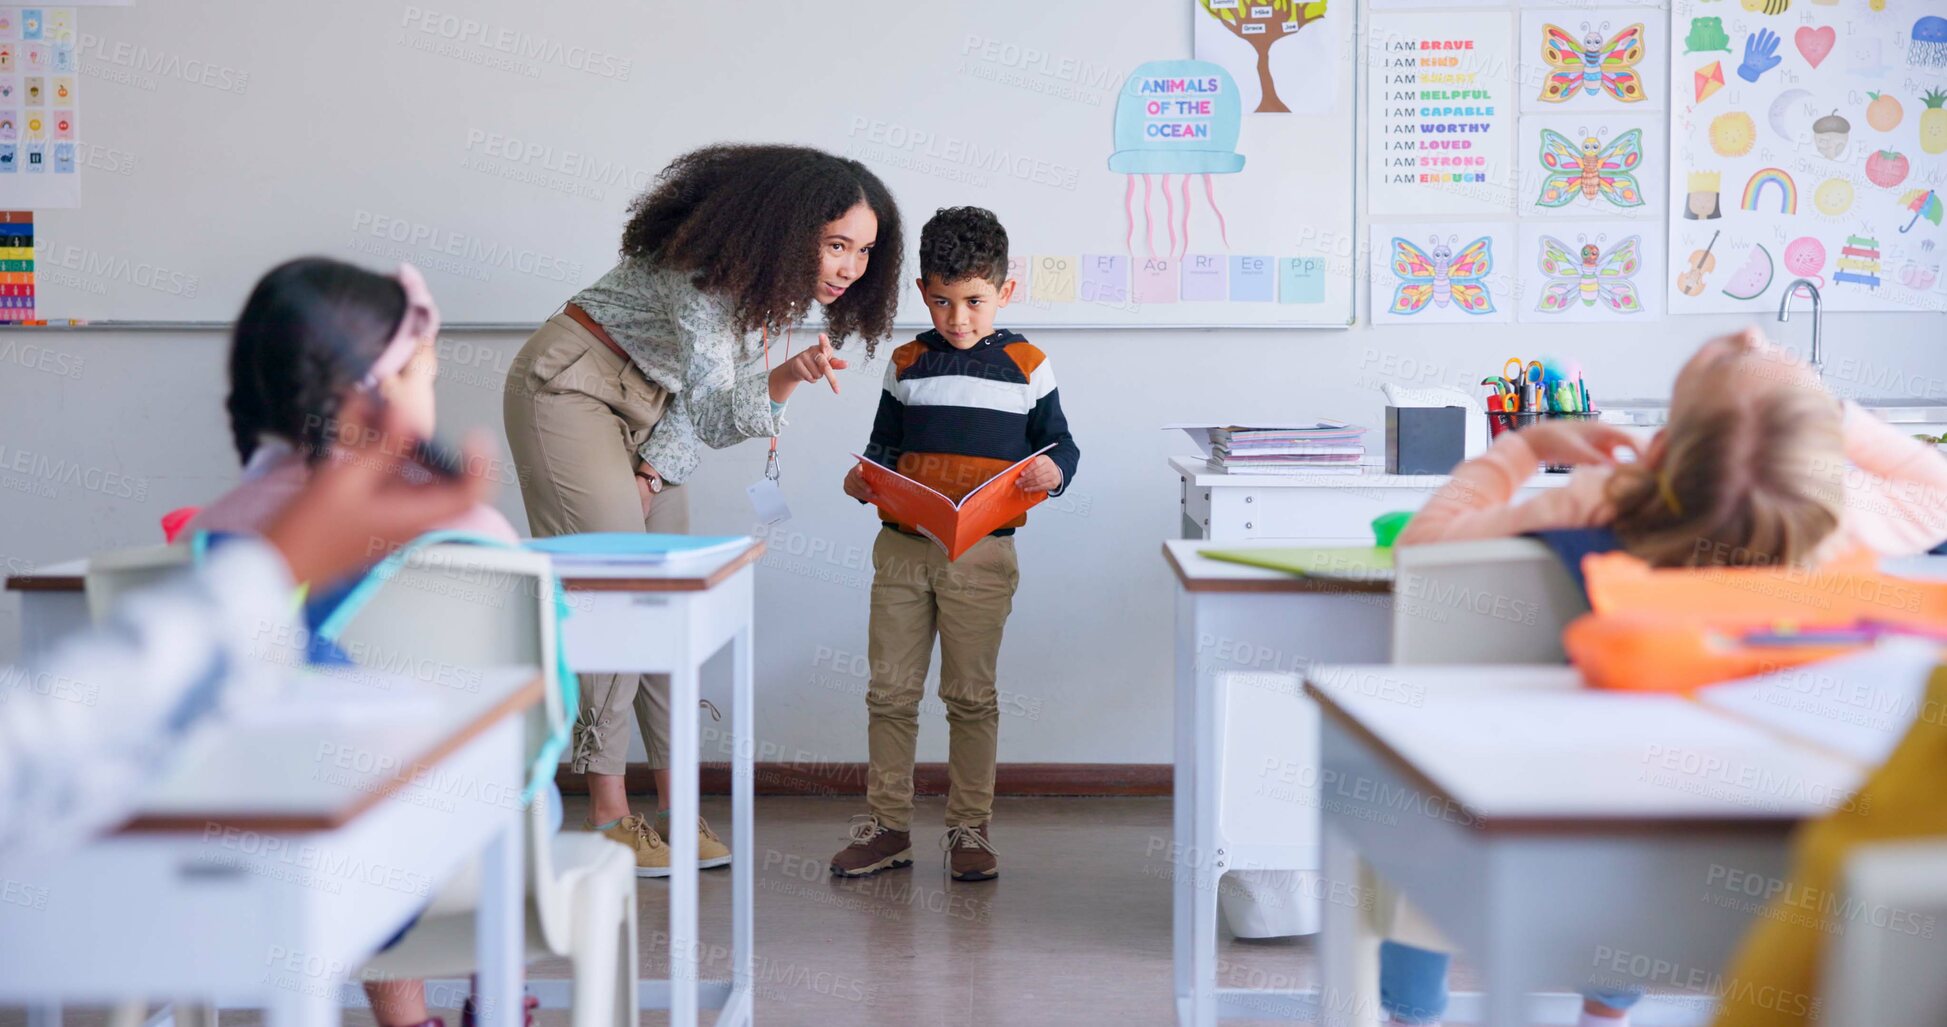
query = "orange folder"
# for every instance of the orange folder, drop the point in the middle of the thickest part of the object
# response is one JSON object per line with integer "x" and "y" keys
{"x": 955, "y": 526}
{"x": 1673, "y": 630}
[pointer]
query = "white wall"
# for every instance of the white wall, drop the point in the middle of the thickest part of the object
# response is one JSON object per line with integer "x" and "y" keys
{"x": 100, "y": 433}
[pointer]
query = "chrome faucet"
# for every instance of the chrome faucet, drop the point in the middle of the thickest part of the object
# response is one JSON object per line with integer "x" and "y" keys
{"x": 1785, "y": 314}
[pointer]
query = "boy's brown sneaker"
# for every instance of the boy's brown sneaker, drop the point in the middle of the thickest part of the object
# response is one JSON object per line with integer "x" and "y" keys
{"x": 874, "y": 848}
{"x": 970, "y": 855}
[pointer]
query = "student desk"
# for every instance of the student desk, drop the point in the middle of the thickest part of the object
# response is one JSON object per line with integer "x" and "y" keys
{"x": 283, "y": 849}
{"x": 1305, "y": 509}
{"x": 1244, "y": 638}
{"x": 651, "y": 619}
{"x": 1561, "y": 837}
{"x": 671, "y": 619}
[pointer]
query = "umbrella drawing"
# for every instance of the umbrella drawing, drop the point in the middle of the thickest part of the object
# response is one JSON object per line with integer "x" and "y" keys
{"x": 1924, "y": 203}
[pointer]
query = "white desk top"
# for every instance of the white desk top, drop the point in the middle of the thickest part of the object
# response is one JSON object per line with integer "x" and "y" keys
{"x": 1198, "y": 573}
{"x": 1529, "y": 749}
{"x": 1370, "y": 476}
{"x": 695, "y": 575}
{"x": 293, "y": 763}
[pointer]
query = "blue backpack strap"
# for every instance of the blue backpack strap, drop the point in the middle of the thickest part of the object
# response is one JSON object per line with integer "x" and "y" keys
{"x": 329, "y": 611}
{"x": 1570, "y": 545}
{"x": 541, "y": 771}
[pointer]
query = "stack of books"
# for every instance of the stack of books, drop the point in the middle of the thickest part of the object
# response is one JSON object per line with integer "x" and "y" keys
{"x": 1327, "y": 447}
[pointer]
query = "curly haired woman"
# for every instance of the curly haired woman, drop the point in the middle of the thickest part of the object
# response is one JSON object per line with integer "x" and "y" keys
{"x": 610, "y": 403}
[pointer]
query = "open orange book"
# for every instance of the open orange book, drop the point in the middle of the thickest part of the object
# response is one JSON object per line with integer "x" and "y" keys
{"x": 955, "y": 526}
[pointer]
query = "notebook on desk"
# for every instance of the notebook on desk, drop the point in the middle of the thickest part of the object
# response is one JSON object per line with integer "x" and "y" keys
{"x": 1343, "y": 563}
{"x": 633, "y": 548}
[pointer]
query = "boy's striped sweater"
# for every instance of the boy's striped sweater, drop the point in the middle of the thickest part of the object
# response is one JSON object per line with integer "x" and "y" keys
{"x": 952, "y": 418}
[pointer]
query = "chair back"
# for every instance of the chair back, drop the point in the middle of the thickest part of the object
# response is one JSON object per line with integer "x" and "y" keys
{"x": 1501, "y": 600}
{"x": 1883, "y": 967}
{"x": 112, "y": 575}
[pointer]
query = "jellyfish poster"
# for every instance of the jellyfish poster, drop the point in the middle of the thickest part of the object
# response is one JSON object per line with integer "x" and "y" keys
{"x": 1816, "y": 150}
{"x": 1177, "y": 126}
{"x": 1442, "y": 116}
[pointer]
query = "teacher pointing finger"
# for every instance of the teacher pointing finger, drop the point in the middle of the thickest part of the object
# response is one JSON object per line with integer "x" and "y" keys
{"x": 611, "y": 403}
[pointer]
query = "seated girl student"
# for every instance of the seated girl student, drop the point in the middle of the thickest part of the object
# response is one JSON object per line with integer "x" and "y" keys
{"x": 181, "y": 654}
{"x": 315, "y": 333}
{"x": 315, "y": 336}
{"x": 1759, "y": 465}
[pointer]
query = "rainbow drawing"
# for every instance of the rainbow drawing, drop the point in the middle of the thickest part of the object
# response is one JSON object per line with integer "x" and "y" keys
{"x": 1787, "y": 189}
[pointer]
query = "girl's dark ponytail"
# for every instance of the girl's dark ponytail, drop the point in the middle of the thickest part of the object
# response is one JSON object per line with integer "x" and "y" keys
{"x": 307, "y": 335}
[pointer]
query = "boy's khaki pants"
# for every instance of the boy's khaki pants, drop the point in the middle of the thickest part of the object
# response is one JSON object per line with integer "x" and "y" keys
{"x": 576, "y": 414}
{"x": 917, "y": 593}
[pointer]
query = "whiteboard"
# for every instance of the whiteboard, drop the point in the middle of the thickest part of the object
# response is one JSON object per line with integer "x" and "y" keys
{"x": 496, "y": 144}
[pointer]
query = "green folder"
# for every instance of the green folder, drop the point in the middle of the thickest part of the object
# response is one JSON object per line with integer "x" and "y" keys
{"x": 1349, "y": 563}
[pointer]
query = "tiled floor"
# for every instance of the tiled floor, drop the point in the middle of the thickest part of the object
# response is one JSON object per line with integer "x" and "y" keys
{"x": 1075, "y": 931}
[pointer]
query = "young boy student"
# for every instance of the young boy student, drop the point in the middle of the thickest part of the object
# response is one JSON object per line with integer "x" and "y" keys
{"x": 962, "y": 403}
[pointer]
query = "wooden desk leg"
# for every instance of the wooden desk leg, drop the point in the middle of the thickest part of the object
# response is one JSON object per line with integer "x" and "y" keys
{"x": 1348, "y": 949}
{"x": 499, "y": 932}
{"x": 685, "y": 948}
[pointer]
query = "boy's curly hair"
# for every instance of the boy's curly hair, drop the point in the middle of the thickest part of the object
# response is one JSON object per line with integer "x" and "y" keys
{"x": 959, "y": 243}
{"x": 747, "y": 221}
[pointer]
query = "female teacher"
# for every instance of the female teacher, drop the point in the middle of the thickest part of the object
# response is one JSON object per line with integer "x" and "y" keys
{"x": 610, "y": 403}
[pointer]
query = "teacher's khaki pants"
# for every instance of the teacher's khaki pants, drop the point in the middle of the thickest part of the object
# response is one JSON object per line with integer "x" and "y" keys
{"x": 576, "y": 414}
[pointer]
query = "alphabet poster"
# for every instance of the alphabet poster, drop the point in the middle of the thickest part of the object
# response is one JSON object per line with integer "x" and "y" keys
{"x": 1808, "y": 140}
{"x": 39, "y": 109}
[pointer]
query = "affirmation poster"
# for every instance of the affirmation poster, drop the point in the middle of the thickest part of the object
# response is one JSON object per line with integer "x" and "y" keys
{"x": 1442, "y": 118}
{"x": 38, "y": 108}
{"x": 1446, "y": 273}
{"x": 1808, "y": 140}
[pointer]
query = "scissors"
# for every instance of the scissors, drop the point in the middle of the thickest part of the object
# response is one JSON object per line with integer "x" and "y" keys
{"x": 1509, "y": 392}
{"x": 1514, "y": 370}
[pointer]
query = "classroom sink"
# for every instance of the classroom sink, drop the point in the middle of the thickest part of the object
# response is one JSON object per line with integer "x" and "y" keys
{"x": 1911, "y": 410}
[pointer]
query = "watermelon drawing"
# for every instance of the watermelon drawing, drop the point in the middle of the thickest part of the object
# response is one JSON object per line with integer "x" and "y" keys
{"x": 1753, "y": 277}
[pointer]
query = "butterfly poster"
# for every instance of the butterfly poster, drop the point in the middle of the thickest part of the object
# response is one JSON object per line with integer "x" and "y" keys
{"x": 1592, "y": 165}
{"x": 1447, "y": 272}
{"x": 1610, "y": 59}
{"x": 1577, "y": 272}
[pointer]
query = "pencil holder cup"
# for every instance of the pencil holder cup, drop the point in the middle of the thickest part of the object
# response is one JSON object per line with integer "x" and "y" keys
{"x": 1498, "y": 422}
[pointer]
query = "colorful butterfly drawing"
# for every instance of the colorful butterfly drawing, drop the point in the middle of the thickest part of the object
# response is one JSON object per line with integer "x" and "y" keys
{"x": 1593, "y": 276}
{"x": 1590, "y": 64}
{"x": 1440, "y": 277}
{"x": 1592, "y": 170}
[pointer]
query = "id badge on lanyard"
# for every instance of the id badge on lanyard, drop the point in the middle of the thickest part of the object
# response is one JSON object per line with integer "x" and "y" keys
{"x": 766, "y": 498}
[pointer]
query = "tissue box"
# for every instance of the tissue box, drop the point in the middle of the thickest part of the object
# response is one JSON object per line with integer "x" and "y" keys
{"x": 1425, "y": 440}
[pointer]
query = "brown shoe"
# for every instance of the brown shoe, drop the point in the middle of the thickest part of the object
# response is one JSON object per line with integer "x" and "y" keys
{"x": 874, "y": 848}
{"x": 970, "y": 855}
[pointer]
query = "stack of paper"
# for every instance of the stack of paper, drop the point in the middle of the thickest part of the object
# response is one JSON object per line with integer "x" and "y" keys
{"x": 1309, "y": 448}
{"x": 597, "y": 549}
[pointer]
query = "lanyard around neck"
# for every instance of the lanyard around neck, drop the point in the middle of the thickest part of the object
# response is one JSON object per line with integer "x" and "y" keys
{"x": 770, "y": 460}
